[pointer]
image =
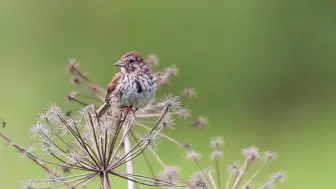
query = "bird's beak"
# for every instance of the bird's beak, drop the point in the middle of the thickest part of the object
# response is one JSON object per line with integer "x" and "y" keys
{"x": 120, "y": 63}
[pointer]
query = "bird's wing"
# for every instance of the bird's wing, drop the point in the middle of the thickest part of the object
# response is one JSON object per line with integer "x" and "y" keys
{"x": 113, "y": 85}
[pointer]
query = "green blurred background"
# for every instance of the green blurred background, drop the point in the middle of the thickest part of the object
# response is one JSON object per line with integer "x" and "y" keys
{"x": 264, "y": 70}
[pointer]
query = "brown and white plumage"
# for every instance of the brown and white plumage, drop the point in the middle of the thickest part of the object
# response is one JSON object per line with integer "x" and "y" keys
{"x": 133, "y": 87}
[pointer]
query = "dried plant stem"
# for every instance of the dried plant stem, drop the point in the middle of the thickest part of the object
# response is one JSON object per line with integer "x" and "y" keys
{"x": 218, "y": 172}
{"x": 162, "y": 135}
{"x": 145, "y": 156}
{"x": 228, "y": 181}
{"x": 241, "y": 174}
{"x": 256, "y": 173}
{"x": 104, "y": 181}
{"x": 129, "y": 164}
{"x": 157, "y": 157}
{"x": 212, "y": 180}
{"x": 87, "y": 80}
{"x": 35, "y": 160}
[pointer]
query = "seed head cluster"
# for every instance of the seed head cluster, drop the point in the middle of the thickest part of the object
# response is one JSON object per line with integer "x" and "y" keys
{"x": 76, "y": 149}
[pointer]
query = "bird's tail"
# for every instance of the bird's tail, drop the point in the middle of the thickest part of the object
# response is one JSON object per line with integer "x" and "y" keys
{"x": 103, "y": 109}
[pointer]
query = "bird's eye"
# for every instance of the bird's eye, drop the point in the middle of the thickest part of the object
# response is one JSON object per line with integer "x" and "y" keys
{"x": 131, "y": 60}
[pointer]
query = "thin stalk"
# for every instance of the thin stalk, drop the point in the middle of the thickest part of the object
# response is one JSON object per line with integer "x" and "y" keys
{"x": 129, "y": 164}
{"x": 90, "y": 121}
{"x": 241, "y": 174}
{"x": 158, "y": 158}
{"x": 256, "y": 173}
{"x": 218, "y": 172}
{"x": 228, "y": 181}
{"x": 114, "y": 139}
{"x": 212, "y": 180}
{"x": 135, "y": 146}
{"x": 121, "y": 140}
{"x": 144, "y": 155}
{"x": 162, "y": 135}
{"x": 104, "y": 181}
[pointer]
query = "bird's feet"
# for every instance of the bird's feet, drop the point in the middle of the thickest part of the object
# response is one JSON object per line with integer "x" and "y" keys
{"x": 128, "y": 109}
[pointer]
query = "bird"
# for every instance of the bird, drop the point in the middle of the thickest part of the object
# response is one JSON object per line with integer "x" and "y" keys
{"x": 134, "y": 86}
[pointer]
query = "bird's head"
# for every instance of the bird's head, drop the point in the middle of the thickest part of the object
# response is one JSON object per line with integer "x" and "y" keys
{"x": 131, "y": 61}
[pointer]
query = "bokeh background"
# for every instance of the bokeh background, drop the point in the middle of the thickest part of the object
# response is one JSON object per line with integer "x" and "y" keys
{"x": 264, "y": 71}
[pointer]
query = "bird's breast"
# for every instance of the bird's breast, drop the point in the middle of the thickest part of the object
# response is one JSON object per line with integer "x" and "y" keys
{"x": 137, "y": 91}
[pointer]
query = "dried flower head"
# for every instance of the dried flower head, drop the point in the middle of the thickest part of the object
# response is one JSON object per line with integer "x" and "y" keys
{"x": 200, "y": 122}
{"x": 251, "y": 153}
{"x": 86, "y": 148}
{"x": 278, "y": 177}
{"x": 216, "y": 155}
{"x": 194, "y": 156}
{"x": 153, "y": 60}
{"x": 269, "y": 156}
{"x": 170, "y": 173}
{"x": 198, "y": 181}
{"x": 73, "y": 65}
{"x": 217, "y": 142}
{"x": 189, "y": 92}
{"x": 234, "y": 168}
{"x": 184, "y": 112}
{"x": 172, "y": 71}
{"x": 26, "y": 153}
{"x": 173, "y": 102}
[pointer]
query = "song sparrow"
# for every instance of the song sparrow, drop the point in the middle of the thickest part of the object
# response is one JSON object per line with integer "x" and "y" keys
{"x": 133, "y": 87}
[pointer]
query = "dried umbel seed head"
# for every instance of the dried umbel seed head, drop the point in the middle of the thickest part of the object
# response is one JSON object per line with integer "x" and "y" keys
{"x": 152, "y": 60}
{"x": 170, "y": 172}
{"x": 216, "y": 155}
{"x": 173, "y": 102}
{"x": 200, "y": 122}
{"x": 278, "y": 177}
{"x": 168, "y": 122}
{"x": 203, "y": 179}
{"x": 198, "y": 180}
{"x": 26, "y": 153}
{"x": 217, "y": 142}
{"x": 88, "y": 148}
{"x": 234, "y": 168}
{"x": 172, "y": 71}
{"x": 184, "y": 112}
{"x": 73, "y": 65}
{"x": 72, "y": 96}
{"x": 251, "y": 153}
{"x": 189, "y": 92}
{"x": 194, "y": 156}
{"x": 269, "y": 156}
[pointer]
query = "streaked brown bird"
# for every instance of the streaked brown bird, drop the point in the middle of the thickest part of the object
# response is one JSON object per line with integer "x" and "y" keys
{"x": 133, "y": 87}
